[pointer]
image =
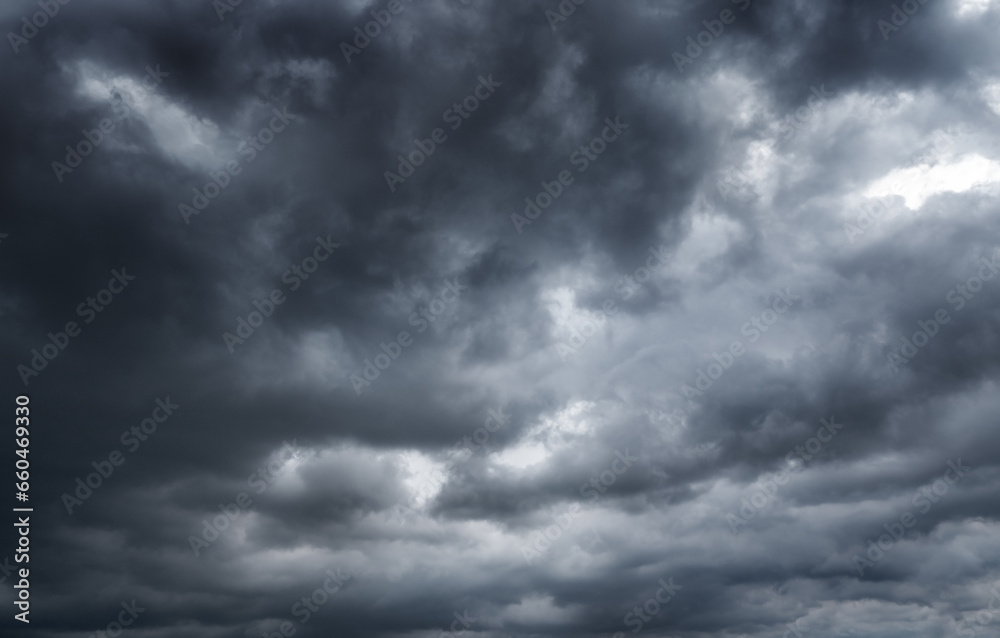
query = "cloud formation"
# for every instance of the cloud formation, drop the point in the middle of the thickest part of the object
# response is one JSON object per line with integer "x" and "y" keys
{"x": 498, "y": 318}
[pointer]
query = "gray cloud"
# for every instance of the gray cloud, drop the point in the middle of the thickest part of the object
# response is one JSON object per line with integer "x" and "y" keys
{"x": 540, "y": 526}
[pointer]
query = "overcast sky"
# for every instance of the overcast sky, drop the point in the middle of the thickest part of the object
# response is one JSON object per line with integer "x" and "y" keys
{"x": 503, "y": 318}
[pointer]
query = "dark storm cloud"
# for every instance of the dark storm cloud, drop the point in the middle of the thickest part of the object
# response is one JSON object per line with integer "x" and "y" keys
{"x": 605, "y": 476}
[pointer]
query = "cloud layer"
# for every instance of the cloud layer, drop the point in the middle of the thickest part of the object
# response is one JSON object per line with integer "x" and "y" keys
{"x": 506, "y": 318}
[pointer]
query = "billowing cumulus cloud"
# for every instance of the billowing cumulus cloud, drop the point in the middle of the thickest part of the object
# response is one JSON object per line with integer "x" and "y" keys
{"x": 485, "y": 318}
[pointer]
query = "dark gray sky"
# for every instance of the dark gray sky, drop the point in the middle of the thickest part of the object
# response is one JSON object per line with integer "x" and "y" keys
{"x": 651, "y": 333}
